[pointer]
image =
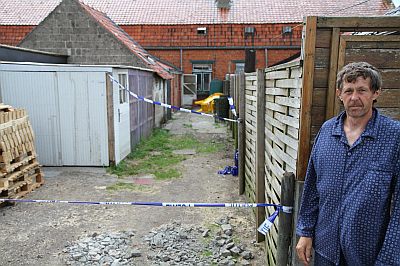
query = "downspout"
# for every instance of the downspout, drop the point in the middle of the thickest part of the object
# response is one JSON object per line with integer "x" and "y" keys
{"x": 181, "y": 58}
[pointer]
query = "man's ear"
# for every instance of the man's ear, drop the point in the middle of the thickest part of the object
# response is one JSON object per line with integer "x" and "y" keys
{"x": 377, "y": 93}
{"x": 338, "y": 92}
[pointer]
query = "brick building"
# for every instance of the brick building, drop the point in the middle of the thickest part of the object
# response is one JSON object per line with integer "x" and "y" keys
{"x": 205, "y": 37}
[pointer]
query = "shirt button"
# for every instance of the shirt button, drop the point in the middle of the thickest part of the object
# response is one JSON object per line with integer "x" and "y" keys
{"x": 349, "y": 153}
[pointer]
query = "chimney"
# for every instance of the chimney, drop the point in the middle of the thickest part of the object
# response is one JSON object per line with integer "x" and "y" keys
{"x": 223, "y": 3}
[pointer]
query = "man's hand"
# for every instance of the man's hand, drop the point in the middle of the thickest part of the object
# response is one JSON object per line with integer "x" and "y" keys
{"x": 303, "y": 249}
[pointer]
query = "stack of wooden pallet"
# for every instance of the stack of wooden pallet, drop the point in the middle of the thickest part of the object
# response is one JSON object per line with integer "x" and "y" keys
{"x": 20, "y": 173}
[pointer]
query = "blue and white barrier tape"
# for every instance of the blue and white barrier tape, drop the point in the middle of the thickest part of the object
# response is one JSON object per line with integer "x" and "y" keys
{"x": 264, "y": 227}
{"x": 232, "y": 106}
{"x": 175, "y": 107}
{"x": 157, "y": 204}
{"x": 267, "y": 224}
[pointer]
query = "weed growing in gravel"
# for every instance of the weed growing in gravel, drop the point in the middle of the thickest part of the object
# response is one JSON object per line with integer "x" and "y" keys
{"x": 207, "y": 253}
{"x": 155, "y": 155}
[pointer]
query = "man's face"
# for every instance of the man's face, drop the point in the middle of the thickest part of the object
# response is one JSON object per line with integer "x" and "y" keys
{"x": 357, "y": 97}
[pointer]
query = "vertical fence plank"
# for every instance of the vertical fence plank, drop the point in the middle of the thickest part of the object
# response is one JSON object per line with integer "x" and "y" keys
{"x": 333, "y": 67}
{"x": 285, "y": 220}
{"x": 241, "y": 133}
{"x": 260, "y": 150}
{"x": 306, "y": 102}
{"x": 110, "y": 120}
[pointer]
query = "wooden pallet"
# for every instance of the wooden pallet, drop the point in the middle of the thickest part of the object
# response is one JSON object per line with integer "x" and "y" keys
{"x": 20, "y": 172}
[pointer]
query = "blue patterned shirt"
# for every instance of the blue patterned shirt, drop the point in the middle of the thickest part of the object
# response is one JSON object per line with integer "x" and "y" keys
{"x": 351, "y": 197}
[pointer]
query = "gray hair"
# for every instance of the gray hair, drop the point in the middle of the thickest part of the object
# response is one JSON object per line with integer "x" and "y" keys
{"x": 352, "y": 71}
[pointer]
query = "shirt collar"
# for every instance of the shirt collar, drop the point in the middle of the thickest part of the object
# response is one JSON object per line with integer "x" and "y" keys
{"x": 371, "y": 130}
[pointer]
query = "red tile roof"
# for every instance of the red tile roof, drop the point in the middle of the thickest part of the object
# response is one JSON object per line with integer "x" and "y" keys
{"x": 122, "y": 36}
{"x": 169, "y": 12}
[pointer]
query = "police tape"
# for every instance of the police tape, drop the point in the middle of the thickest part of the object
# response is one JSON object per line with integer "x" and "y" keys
{"x": 264, "y": 227}
{"x": 232, "y": 107}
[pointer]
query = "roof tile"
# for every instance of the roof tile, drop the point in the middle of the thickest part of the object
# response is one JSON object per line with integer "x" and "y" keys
{"x": 170, "y": 12}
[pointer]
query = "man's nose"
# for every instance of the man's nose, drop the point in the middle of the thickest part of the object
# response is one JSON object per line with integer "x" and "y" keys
{"x": 354, "y": 96}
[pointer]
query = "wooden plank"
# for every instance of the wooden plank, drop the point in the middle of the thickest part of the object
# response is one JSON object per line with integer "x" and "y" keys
{"x": 272, "y": 153}
{"x": 275, "y": 123}
{"x": 294, "y": 112}
{"x": 287, "y": 140}
{"x": 274, "y": 138}
{"x": 279, "y": 74}
{"x": 377, "y": 39}
{"x": 319, "y": 97}
{"x": 380, "y": 58}
{"x": 277, "y": 91}
{"x": 333, "y": 69}
{"x": 389, "y": 98}
{"x": 294, "y": 132}
{"x": 260, "y": 152}
{"x": 296, "y": 72}
{"x": 251, "y": 98}
{"x": 390, "y": 78}
{"x": 288, "y": 120}
{"x": 306, "y": 103}
{"x": 321, "y": 77}
{"x": 275, "y": 107}
{"x": 288, "y": 83}
{"x": 340, "y": 65}
{"x": 323, "y": 39}
{"x": 359, "y": 22}
{"x": 321, "y": 58}
{"x": 288, "y": 101}
{"x": 110, "y": 120}
{"x": 241, "y": 133}
{"x": 285, "y": 157}
{"x": 285, "y": 220}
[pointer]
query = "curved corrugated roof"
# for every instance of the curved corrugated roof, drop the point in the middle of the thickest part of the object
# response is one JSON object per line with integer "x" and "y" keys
{"x": 170, "y": 12}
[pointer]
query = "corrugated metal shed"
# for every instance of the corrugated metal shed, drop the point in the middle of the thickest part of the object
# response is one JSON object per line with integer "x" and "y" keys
{"x": 67, "y": 106}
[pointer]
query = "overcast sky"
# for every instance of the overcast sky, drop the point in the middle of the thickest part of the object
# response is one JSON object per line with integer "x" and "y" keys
{"x": 396, "y": 2}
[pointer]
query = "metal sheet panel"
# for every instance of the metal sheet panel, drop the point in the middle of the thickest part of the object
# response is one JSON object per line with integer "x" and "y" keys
{"x": 83, "y": 118}
{"x": 36, "y": 92}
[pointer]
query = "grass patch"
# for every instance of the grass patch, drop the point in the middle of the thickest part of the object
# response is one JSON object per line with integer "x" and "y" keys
{"x": 207, "y": 253}
{"x": 126, "y": 186}
{"x": 155, "y": 155}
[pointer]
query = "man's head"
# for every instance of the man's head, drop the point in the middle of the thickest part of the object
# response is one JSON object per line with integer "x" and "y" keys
{"x": 358, "y": 87}
{"x": 352, "y": 71}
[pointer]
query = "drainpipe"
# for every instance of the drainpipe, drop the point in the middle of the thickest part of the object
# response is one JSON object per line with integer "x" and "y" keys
{"x": 181, "y": 59}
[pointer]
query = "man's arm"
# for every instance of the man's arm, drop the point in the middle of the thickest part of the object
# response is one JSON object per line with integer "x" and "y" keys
{"x": 309, "y": 208}
{"x": 389, "y": 254}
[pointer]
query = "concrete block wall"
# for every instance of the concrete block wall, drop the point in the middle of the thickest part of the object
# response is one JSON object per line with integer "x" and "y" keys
{"x": 70, "y": 30}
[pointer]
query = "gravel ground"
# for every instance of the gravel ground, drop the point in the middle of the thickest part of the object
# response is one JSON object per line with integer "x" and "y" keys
{"x": 66, "y": 234}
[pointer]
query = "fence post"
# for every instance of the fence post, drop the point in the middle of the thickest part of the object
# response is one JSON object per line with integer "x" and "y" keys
{"x": 260, "y": 150}
{"x": 241, "y": 131}
{"x": 285, "y": 220}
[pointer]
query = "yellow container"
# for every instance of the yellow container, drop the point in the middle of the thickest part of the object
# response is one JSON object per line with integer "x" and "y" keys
{"x": 207, "y": 105}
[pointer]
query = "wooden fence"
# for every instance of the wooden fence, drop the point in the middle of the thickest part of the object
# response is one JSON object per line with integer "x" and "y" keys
{"x": 269, "y": 106}
{"x": 283, "y": 107}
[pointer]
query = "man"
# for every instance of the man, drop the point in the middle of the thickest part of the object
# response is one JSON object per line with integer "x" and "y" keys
{"x": 350, "y": 210}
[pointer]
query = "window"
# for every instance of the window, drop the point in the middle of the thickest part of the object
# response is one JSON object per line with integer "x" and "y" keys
{"x": 202, "y": 31}
{"x": 239, "y": 67}
{"x": 123, "y": 93}
{"x": 203, "y": 73}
